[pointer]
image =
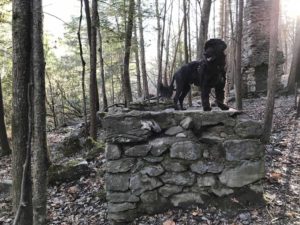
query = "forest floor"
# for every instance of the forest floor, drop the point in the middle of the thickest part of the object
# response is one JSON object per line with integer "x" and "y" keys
{"x": 83, "y": 201}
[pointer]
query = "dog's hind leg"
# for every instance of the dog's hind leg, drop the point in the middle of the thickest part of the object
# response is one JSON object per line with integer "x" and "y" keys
{"x": 184, "y": 92}
{"x": 176, "y": 98}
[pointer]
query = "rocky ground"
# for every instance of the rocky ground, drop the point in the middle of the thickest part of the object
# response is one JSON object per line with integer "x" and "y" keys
{"x": 83, "y": 201}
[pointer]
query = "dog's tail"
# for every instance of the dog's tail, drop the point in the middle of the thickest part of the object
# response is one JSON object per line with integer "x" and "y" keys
{"x": 166, "y": 91}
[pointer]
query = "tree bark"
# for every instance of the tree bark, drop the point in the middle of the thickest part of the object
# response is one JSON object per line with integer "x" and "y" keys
{"x": 4, "y": 144}
{"x": 88, "y": 19}
{"x": 89, "y": 31}
{"x": 83, "y": 64}
{"x": 268, "y": 119}
{"x": 165, "y": 80}
{"x": 93, "y": 70}
{"x": 21, "y": 31}
{"x": 238, "y": 67}
{"x": 185, "y": 42}
{"x": 40, "y": 155}
{"x": 137, "y": 63}
{"x": 295, "y": 67}
{"x": 101, "y": 61}
{"x": 203, "y": 27}
{"x": 142, "y": 51}
{"x": 126, "y": 76}
{"x": 158, "y": 44}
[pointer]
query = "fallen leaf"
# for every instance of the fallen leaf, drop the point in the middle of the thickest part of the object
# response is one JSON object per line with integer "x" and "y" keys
{"x": 234, "y": 200}
{"x": 169, "y": 222}
{"x": 269, "y": 197}
{"x": 197, "y": 212}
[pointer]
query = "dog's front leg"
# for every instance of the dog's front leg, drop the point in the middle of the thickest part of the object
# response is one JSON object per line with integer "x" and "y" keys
{"x": 205, "y": 98}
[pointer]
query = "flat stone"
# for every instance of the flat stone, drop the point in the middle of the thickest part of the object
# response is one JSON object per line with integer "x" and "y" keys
{"x": 247, "y": 173}
{"x": 181, "y": 135}
{"x": 150, "y": 125}
{"x": 215, "y": 167}
{"x": 199, "y": 167}
{"x": 174, "y": 130}
{"x": 202, "y": 167}
{"x": 206, "y": 181}
{"x": 119, "y": 166}
{"x": 222, "y": 191}
{"x": 140, "y": 183}
{"x": 69, "y": 171}
{"x": 161, "y": 145}
{"x": 168, "y": 190}
{"x": 210, "y": 139}
{"x": 117, "y": 182}
{"x": 215, "y": 118}
{"x": 187, "y": 123}
{"x": 237, "y": 150}
{"x": 120, "y": 207}
{"x": 112, "y": 152}
{"x": 249, "y": 129}
{"x": 153, "y": 171}
{"x": 121, "y": 218}
{"x": 70, "y": 145}
{"x": 186, "y": 150}
{"x": 138, "y": 151}
{"x": 150, "y": 196}
{"x": 140, "y": 164}
{"x": 182, "y": 179}
{"x": 153, "y": 159}
{"x": 173, "y": 165}
{"x": 118, "y": 197}
{"x": 133, "y": 136}
{"x": 186, "y": 199}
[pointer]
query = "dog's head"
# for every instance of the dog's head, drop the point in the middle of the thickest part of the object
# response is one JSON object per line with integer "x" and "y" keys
{"x": 213, "y": 49}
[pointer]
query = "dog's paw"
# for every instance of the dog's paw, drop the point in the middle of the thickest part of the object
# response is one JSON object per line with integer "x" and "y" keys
{"x": 223, "y": 106}
{"x": 206, "y": 108}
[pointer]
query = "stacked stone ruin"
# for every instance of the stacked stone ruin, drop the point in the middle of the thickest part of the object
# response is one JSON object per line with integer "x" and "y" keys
{"x": 160, "y": 160}
{"x": 256, "y": 41}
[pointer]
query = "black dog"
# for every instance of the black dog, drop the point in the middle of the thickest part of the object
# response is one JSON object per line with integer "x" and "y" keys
{"x": 207, "y": 74}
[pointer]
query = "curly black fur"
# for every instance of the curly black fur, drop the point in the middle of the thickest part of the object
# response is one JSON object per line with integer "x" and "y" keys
{"x": 207, "y": 73}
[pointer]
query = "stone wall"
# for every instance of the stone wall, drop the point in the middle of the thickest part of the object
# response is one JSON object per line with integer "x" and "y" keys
{"x": 161, "y": 160}
{"x": 256, "y": 41}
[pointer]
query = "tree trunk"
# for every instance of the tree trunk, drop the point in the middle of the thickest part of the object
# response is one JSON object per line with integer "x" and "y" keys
{"x": 137, "y": 63}
{"x": 40, "y": 156}
{"x": 268, "y": 119}
{"x": 93, "y": 70}
{"x": 4, "y": 145}
{"x": 102, "y": 74}
{"x": 89, "y": 31}
{"x": 238, "y": 74}
{"x": 83, "y": 64}
{"x": 222, "y": 19}
{"x": 203, "y": 27}
{"x": 21, "y": 32}
{"x": 295, "y": 67}
{"x": 165, "y": 78}
{"x": 158, "y": 44}
{"x": 142, "y": 50}
{"x": 176, "y": 49}
{"x": 185, "y": 42}
{"x": 297, "y": 102}
{"x": 162, "y": 43}
{"x": 126, "y": 76}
